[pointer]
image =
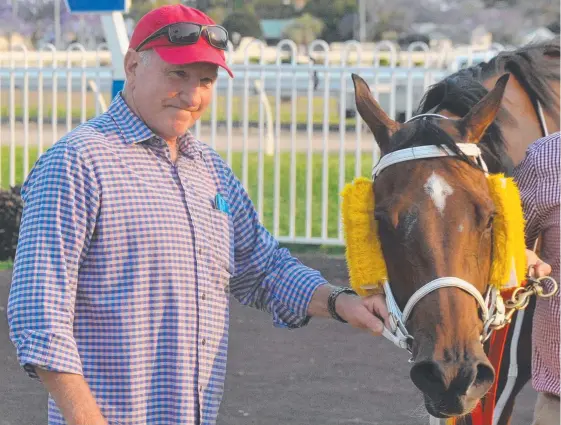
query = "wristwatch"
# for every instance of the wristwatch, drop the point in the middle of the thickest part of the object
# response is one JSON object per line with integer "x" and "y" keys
{"x": 333, "y": 297}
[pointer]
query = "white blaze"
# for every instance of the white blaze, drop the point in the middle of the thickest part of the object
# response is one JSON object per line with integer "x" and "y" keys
{"x": 438, "y": 189}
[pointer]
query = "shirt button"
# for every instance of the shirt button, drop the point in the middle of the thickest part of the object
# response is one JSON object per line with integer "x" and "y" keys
{"x": 203, "y": 342}
{"x": 203, "y": 297}
{"x": 201, "y": 388}
{"x": 200, "y": 251}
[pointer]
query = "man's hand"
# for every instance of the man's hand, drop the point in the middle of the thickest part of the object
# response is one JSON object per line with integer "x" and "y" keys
{"x": 537, "y": 267}
{"x": 364, "y": 313}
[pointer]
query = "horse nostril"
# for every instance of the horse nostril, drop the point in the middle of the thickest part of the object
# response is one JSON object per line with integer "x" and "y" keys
{"x": 427, "y": 376}
{"x": 485, "y": 374}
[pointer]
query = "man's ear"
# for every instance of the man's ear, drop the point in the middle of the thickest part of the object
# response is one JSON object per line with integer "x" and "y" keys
{"x": 132, "y": 59}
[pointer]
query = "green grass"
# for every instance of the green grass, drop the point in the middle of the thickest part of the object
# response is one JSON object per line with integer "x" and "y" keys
{"x": 268, "y": 196}
{"x": 221, "y": 109}
{"x": 5, "y": 164}
{"x": 6, "y": 265}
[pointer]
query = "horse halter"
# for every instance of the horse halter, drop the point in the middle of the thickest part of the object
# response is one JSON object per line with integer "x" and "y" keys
{"x": 492, "y": 306}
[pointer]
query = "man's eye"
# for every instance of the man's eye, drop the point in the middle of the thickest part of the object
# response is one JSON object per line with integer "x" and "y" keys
{"x": 181, "y": 74}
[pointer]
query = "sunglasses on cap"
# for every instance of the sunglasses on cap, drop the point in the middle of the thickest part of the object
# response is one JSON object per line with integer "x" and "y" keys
{"x": 185, "y": 33}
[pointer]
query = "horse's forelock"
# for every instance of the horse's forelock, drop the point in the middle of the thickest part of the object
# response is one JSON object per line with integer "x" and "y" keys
{"x": 457, "y": 94}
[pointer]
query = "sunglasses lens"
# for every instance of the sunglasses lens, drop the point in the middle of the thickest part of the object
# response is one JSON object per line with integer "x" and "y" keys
{"x": 185, "y": 33}
{"x": 218, "y": 37}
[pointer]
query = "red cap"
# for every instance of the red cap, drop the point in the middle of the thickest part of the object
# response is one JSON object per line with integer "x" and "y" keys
{"x": 202, "y": 51}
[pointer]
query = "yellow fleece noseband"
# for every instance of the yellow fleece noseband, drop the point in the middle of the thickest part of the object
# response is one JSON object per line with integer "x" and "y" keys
{"x": 365, "y": 261}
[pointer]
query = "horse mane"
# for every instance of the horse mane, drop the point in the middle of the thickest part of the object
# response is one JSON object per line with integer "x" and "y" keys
{"x": 457, "y": 94}
{"x": 427, "y": 133}
{"x": 533, "y": 65}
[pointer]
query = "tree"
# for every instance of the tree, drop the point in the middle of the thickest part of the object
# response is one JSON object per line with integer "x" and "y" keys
{"x": 274, "y": 9}
{"x": 541, "y": 12}
{"x": 203, "y": 5}
{"x": 330, "y": 12}
{"x": 244, "y": 23}
{"x": 139, "y": 8}
{"x": 499, "y": 3}
{"x": 38, "y": 20}
{"x": 304, "y": 29}
{"x": 385, "y": 17}
{"x": 11, "y": 23}
{"x": 217, "y": 14}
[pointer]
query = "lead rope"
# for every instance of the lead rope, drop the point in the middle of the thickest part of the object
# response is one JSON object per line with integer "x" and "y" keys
{"x": 541, "y": 116}
{"x": 513, "y": 367}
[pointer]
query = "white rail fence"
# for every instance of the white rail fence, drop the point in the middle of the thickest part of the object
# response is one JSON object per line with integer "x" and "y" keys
{"x": 288, "y": 129}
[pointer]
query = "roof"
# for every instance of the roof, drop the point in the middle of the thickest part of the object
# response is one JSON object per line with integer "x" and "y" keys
{"x": 274, "y": 28}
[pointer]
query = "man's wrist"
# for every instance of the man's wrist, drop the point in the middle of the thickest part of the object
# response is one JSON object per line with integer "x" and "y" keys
{"x": 332, "y": 300}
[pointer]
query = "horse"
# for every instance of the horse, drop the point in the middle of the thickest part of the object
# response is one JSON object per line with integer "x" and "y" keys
{"x": 530, "y": 102}
{"x": 529, "y": 110}
{"x": 426, "y": 209}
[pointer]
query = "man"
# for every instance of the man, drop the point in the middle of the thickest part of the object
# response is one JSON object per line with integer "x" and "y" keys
{"x": 132, "y": 237}
{"x": 538, "y": 180}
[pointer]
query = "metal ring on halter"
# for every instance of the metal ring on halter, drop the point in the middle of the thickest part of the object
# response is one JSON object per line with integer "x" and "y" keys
{"x": 520, "y": 298}
{"x": 537, "y": 282}
{"x": 539, "y": 289}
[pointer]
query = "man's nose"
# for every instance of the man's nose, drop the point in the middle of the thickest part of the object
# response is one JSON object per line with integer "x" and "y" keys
{"x": 190, "y": 98}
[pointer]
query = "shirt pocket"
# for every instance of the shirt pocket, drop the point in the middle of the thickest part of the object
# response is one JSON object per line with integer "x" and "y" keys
{"x": 221, "y": 240}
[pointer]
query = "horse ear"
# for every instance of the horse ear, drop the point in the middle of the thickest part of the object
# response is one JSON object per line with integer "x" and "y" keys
{"x": 382, "y": 126}
{"x": 474, "y": 124}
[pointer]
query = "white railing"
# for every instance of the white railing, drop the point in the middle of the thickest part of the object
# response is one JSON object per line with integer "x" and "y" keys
{"x": 288, "y": 129}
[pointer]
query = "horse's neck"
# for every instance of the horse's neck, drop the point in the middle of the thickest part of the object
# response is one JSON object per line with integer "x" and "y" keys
{"x": 524, "y": 128}
{"x": 553, "y": 121}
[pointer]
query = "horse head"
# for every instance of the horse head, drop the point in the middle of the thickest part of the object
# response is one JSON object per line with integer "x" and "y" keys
{"x": 435, "y": 220}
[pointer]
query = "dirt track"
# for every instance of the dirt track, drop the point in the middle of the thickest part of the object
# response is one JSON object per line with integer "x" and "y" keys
{"x": 326, "y": 373}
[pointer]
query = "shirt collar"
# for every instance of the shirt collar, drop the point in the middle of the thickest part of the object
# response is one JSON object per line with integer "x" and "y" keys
{"x": 134, "y": 130}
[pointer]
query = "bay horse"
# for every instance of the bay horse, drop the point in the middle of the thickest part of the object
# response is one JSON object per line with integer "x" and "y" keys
{"x": 435, "y": 220}
{"x": 532, "y": 93}
{"x": 529, "y": 110}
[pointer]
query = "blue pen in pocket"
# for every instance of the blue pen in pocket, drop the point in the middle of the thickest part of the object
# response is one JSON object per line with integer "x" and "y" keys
{"x": 221, "y": 204}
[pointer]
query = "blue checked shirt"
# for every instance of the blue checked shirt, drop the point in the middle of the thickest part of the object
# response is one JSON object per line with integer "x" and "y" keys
{"x": 125, "y": 264}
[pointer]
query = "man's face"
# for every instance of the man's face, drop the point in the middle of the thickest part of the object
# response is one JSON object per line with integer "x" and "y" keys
{"x": 169, "y": 98}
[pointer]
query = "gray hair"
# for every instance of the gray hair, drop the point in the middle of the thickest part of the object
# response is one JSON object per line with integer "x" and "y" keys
{"x": 145, "y": 56}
